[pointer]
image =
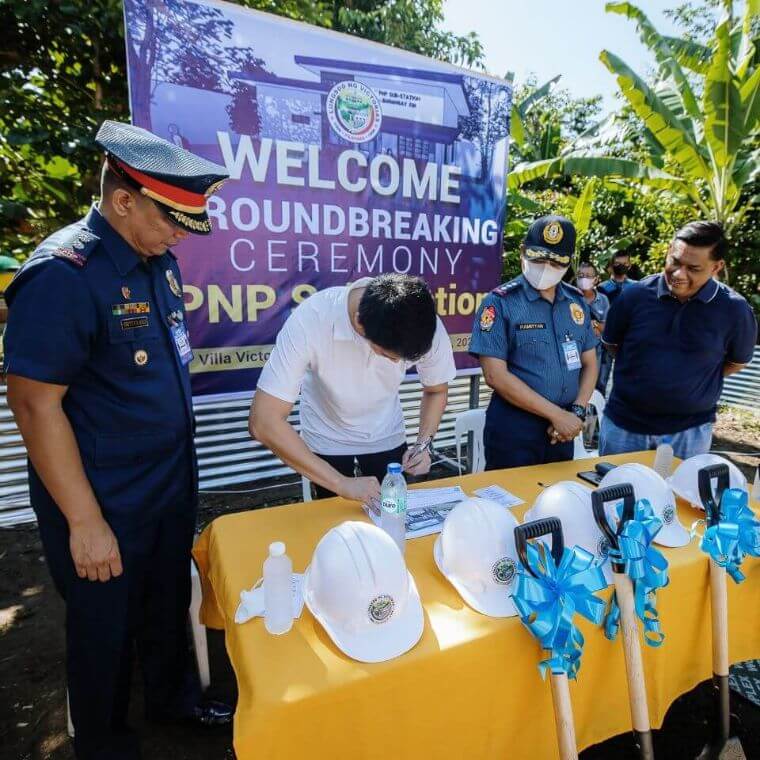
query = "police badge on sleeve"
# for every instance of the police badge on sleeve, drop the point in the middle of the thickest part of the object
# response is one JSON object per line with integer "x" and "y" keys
{"x": 487, "y": 318}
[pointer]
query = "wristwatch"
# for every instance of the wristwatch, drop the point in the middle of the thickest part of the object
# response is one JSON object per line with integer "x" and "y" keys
{"x": 578, "y": 410}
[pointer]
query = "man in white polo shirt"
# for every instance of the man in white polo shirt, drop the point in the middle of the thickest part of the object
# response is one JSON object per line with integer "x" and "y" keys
{"x": 347, "y": 350}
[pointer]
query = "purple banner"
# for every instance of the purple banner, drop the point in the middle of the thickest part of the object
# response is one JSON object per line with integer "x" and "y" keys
{"x": 347, "y": 159}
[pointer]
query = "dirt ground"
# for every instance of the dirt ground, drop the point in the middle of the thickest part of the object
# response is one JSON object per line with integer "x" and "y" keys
{"x": 32, "y": 688}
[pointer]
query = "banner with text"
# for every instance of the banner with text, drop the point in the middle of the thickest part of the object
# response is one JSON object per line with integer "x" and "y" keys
{"x": 347, "y": 159}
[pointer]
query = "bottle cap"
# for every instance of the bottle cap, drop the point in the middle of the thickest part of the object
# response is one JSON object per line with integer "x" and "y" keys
{"x": 394, "y": 468}
{"x": 277, "y": 549}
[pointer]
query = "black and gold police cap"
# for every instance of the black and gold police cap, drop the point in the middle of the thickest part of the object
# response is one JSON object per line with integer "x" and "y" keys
{"x": 552, "y": 238}
{"x": 177, "y": 180}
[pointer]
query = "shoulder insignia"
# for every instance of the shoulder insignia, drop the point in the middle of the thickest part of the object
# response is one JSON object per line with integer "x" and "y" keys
{"x": 76, "y": 246}
{"x": 506, "y": 288}
{"x": 73, "y": 243}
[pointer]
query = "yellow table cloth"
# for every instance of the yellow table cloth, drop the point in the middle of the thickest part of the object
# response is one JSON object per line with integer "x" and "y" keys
{"x": 470, "y": 688}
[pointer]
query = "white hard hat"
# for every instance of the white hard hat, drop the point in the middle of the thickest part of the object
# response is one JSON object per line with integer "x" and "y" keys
{"x": 476, "y": 552}
{"x": 684, "y": 481}
{"x": 357, "y": 586}
{"x": 649, "y": 485}
{"x": 571, "y": 503}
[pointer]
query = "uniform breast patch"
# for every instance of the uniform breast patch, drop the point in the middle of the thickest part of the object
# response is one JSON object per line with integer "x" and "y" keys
{"x": 577, "y": 313}
{"x": 487, "y": 318}
{"x": 532, "y": 326}
{"x": 132, "y": 323}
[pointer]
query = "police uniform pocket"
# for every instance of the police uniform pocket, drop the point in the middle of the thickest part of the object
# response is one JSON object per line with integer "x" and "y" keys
{"x": 532, "y": 344}
{"x": 117, "y": 449}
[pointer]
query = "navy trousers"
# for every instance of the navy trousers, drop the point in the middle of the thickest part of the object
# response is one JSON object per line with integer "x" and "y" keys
{"x": 516, "y": 438}
{"x": 143, "y": 612}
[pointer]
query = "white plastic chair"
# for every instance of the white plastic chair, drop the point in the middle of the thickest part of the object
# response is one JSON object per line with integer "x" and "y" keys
{"x": 200, "y": 640}
{"x": 472, "y": 421}
{"x": 579, "y": 449}
{"x": 306, "y": 488}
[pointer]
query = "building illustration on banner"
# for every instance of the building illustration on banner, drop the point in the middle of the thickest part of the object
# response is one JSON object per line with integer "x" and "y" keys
{"x": 421, "y": 112}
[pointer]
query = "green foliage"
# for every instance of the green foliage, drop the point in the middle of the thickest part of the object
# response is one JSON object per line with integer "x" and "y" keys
{"x": 63, "y": 71}
{"x": 704, "y": 138}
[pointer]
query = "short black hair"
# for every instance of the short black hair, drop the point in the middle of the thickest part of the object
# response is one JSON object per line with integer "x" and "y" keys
{"x": 397, "y": 313}
{"x": 588, "y": 265}
{"x": 704, "y": 234}
{"x": 110, "y": 181}
{"x": 620, "y": 255}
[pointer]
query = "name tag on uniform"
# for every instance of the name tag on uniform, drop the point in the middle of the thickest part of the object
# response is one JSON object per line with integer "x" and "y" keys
{"x": 572, "y": 355}
{"x": 182, "y": 342}
{"x": 532, "y": 326}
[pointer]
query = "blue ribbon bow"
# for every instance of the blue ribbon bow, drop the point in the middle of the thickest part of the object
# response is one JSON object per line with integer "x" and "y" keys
{"x": 548, "y": 601}
{"x": 736, "y": 534}
{"x": 645, "y": 566}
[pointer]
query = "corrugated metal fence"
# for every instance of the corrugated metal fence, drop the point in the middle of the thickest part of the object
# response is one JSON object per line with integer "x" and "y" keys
{"x": 227, "y": 456}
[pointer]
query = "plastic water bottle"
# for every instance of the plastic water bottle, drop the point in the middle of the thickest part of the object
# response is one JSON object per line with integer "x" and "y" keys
{"x": 278, "y": 596}
{"x": 756, "y": 485}
{"x": 393, "y": 502}
{"x": 663, "y": 458}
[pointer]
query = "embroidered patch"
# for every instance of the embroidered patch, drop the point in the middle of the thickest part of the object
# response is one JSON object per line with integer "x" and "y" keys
{"x": 138, "y": 307}
{"x": 132, "y": 323}
{"x": 553, "y": 233}
{"x": 71, "y": 255}
{"x": 577, "y": 313}
{"x": 173, "y": 284}
{"x": 532, "y": 326}
{"x": 487, "y": 318}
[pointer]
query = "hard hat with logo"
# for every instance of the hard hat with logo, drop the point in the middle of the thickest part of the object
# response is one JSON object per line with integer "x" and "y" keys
{"x": 358, "y": 587}
{"x": 684, "y": 481}
{"x": 571, "y": 503}
{"x": 476, "y": 552}
{"x": 649, "y": 485}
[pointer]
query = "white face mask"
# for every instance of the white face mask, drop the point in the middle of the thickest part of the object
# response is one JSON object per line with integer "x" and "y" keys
{"x": 542, "y": 276}
{"x": 585, "y": 283}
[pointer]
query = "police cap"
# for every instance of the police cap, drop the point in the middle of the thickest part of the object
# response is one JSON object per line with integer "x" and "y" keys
{"x": 552, "y": 238}
{"x": 177, "y": 180}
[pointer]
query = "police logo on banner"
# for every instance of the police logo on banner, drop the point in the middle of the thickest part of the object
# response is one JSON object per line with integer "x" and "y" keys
{"x": 353, "y": 110}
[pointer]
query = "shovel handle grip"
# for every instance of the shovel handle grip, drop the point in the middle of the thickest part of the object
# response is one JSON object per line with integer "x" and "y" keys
{"x": 601, "y": 496}
{"x": 535, "y": 529}
{"x": 711, "y": 499}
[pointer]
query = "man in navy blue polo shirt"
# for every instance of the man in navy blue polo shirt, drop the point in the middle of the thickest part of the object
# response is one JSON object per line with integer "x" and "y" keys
{"x": 675, "y": 335}
{"x": 536, "y": 345}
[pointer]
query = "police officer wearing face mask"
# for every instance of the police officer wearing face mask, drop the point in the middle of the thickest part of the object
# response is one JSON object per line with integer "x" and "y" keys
{"x": 619, "y": 280}
{"x": 536, "y": 345}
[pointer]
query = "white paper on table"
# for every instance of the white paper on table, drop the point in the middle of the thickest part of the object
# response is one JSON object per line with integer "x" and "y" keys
{"x": 252, "y": 600}
{"x": 499, "y": 495}
{"x": 426, "y": 509}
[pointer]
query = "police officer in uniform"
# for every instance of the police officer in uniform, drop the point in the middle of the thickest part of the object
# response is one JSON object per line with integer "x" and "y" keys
{"x": 536, "y": 345}
{"x": 97, "y": 354}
